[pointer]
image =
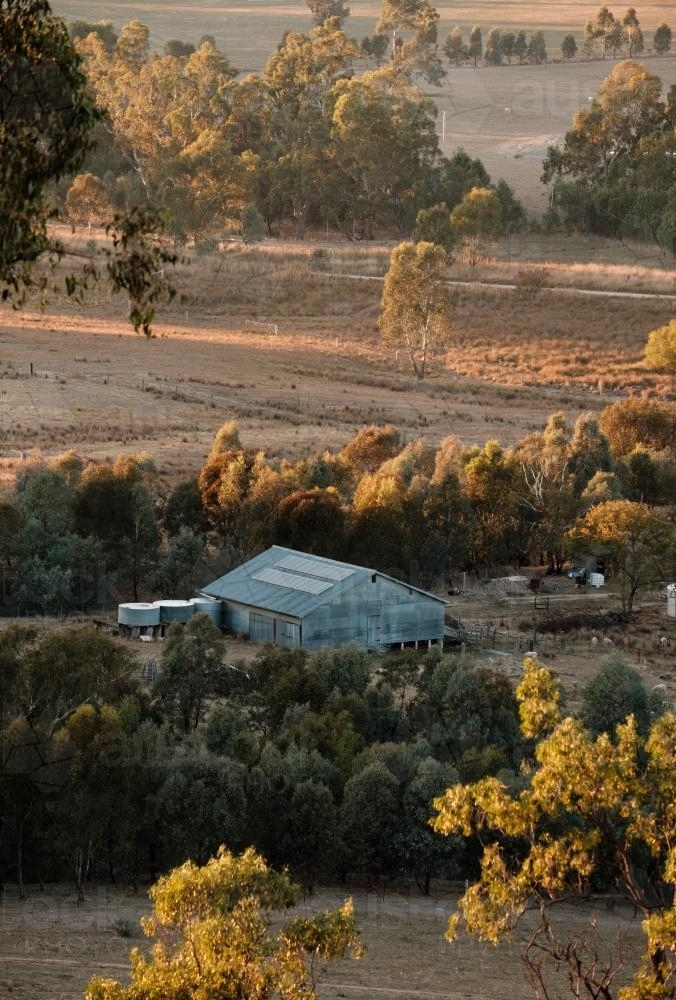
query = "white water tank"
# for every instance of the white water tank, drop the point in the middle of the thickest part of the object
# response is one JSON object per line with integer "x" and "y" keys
{"x": 138, "y": 614}
{"x": 596, "y": 579}
{"x": 176, "y": 611}
{"x": 671, "y": 607}
{"x": 207, "y": 606}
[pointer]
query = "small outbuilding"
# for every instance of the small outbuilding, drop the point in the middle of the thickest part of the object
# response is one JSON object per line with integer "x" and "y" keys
{"x": 296, "y": 599}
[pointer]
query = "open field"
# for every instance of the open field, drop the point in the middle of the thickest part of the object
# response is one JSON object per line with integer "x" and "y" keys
{"x": 103, "y": 390}
{"x": 249, "y": 30}
{"x": 50, "y": 947}
{"x": 507, "y": 116}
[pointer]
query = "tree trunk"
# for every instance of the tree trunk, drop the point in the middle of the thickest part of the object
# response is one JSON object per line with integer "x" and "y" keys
{"x": 19, "y": 861}
{"x": 81, "y": 865}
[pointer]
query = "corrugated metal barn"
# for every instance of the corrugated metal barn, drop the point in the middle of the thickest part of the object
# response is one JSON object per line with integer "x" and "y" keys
{"x": 295, "y": 599}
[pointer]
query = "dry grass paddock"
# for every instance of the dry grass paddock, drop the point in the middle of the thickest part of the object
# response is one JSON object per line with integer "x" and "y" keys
{"x": 78, "y": 377}
{"x": 50, "y": 947}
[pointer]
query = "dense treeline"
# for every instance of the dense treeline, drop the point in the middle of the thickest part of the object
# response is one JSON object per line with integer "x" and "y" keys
{"x": 302, "y": 141}
{"x": 77, "y": 535}
{"x": 615, "y": 173}
{"x": 314, "y": 760}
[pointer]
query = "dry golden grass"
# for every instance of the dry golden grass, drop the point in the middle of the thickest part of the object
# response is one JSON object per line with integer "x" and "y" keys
{"x": 101, "y": 389}
{"x": 50, "y": 948}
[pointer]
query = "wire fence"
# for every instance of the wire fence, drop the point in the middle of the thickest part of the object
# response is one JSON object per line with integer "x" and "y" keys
{"x": 519, "y": 643}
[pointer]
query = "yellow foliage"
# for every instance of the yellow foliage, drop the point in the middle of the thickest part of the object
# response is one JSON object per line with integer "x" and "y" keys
{"x": 590, "y": 803}
{"x": 538, "y": 694}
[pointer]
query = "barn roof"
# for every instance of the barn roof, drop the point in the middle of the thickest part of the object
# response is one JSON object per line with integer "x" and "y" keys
{"x": 293, "y": 583}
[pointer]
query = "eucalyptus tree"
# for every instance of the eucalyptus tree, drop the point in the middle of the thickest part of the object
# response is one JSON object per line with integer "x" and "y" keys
{"x": 582, "y": 815}
{"x": 167, "y": 116}
{"x": 412, "y": 30}
{"x": 498, "y": 531}
{"x": 47, "y": 120}
{"x": 116, "y": 506}
{"x": 635, "y": 543}
{"x": 298, "y": 81}
{"x": 371, "y": 113}
{"x": 475, "y": 47}
{"x": 191, "y": 661}
{"x": 455, "y": 49}
{"x": 417, "y": 307}
{"x": 614, "y": 171}
{"x": 48, "y": 114}
{"x": 662, "y": 39}
{"x": 226, "y": 937}
{"x": 493, "y": 47}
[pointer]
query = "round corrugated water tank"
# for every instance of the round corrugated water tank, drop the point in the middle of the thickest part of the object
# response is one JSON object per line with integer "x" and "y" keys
{"x": 207, "y": 606}
{"x": 138, "y": 614}
{"x": 176, "y": 611}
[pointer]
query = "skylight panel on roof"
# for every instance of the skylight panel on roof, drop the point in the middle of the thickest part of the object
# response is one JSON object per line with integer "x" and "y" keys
{"x": 325, "y": 571}
{"x": 292, "y": 581}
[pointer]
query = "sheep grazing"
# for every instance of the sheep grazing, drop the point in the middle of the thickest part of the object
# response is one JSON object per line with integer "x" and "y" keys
{"x": 594, "y": 641}
{"x": 607, "y": 641}
{"x": 664, "y": 642}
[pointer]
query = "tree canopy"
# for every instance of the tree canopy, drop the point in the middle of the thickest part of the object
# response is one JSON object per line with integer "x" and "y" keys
{"x": 47, "y": 119}
{"x": 46, "y": 122}
{"x": 614, "y": 173}
{"x": 593, "y": 811}
{"x": 416, "y": 304}
{"x": 214, "y": 937}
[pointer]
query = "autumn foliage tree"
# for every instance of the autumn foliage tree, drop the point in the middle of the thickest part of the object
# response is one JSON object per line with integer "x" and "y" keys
{"x": 636, "y": 544}
{"x": 593, "y": 811}
{"x": 214, "y": 937}
{"x": 660, "y": 350}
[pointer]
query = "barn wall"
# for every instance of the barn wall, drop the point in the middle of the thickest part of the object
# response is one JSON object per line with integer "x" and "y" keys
{"x": 261, "y": 626}
{"x": 376, "y": 613}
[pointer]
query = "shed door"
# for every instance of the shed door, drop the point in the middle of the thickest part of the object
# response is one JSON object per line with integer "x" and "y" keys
{"x": 260, "y": 628}
{"x": 288, "y": 633}
{"x": 373, "y": 631}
